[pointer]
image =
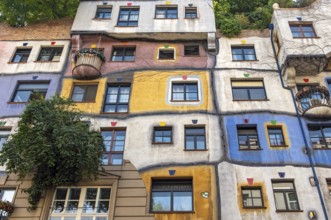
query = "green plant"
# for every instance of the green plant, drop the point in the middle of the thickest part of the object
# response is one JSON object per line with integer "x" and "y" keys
{"x": 243, "y": 20}
{"x": 230, "y": 27}
{"x": 54, "y": 145}
{"x": 92, "y": 51}
{"x": 260, "y": 18}
{"x": 7, "y": 207}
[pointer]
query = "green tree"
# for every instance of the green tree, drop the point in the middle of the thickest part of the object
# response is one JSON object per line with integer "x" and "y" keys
{"x": 54, "y": 145}
{"x": 24, "y": 12}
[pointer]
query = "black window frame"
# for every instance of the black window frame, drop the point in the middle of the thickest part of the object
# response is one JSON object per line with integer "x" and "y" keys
{"x": 171, "y": 184}
{"x": 167, "y": 14}
{"x": 112, "y": 152}
{"x": 191, "y": 50}
{"x": 117, "y": 104}
{"x": 162, "y": 128}
{"x": 162, "y": 54}
{"x": 248, "y": 136}
{"x": 185, "y": 84}
{"x": 101, "y": 10}
{"x": 252, "y": 188}
{"x": 280, "y": 131}
{"x": 248, "y": 90}
{"x": 124, "y": 51}
{"x": 322, "y": 138}
{"x": 54, "y": 52}
{"x": 284, "y": 191}
{"x": 128, "y": 22}
{"x": 195, "y": 136}
{"x": 87, "y": 86}
{"x": 302, "y": 33}
{"x": 191, "y": 14}
{"x": 23, "y": 53}
{"x": 35, "y": 93}
{"x": 243, "y": 54}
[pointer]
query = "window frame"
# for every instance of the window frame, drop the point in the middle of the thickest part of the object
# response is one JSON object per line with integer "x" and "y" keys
{"x": 301, "y": 25}
{"x": 162, "y": 128}
{"x": 248, "y": 88}
{"x": 247, "y": 127}
{"x": 23, "y": 55}
{"x": 85, "y": 92}
{"x": 117, "y": 103}
{"x": 276, "y": 127}
{"x": 191, "y": 8}
{"x": 124, "y": 51}
{"x": 179, "y": 182}
{"x": 185, "y": 84}
{"x": 112, "y": 152}
{"x": 166, "y": 49}
{"x": 103, "y": 7}
{"x": 33, "y": 92}
{"x": 242, "y": 48}
{"x": 284, "y": 193}
{"x": 166, "y": 8}
{"x": 252, "y": 198}
{"x": 323, "y": 137}
{"x": 186, "y": 48}
{"x": 130, "y": 9}
{"x": 53, "y": 53}
{"x": 195, "y": 137}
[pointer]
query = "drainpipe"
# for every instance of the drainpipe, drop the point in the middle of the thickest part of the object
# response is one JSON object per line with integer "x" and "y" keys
{"x": 271, "y": 28}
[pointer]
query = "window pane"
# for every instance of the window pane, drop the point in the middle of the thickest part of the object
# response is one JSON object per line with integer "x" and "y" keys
{"x": 61, "y": 194}
{"x": 117, "y": 159}
{"x": 280, "y": 201}
{"x": 182, "y": 201}
{"x": 105, "y": 193}
{"x": 189, "y": 143}
{"x": 22, "y": 96}
{"x": 257, "y": 94}
{"x": 91, "y": 193}
{"x": 103, "y": 207}
{"x": 161, "y": 201}
{"x": 201, "y": 143}
{"x": 240, "y": 94}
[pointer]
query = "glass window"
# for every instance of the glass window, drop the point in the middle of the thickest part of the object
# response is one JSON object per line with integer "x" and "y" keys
{"x": 166, "y": 12}
{"x": 4, "y": 134}
{"x": 90, "y": 203}
{"x": 285, "y": 195}
{"x": 302, "y": 30}
{"x": 243, "y": 53}
{"x": 162, "y": 135}
{"x": 128, "y": 17}
{"x": 84, "y": 93}
{"x": 191, "y": 13}
{"x": 195, "y": 138}
{"x": 320, "y": 136}
{"x": 114, "y": 141}
{"x": 117, "y": 98}
{"x": 248, "y": 90}
{"x": 103, "y": 12}
{"x": 191, "y": 50}
{"x": 252, "y": 197}
{"x": 27, "y": 91}
{"x": 21, "y": 55}
{"x": 328, "y": 182}
{"x": 50, "y": 54}
{"x": 276, "y": 136}
{"x": 247, "y": 137}
{"x": 123, "y": 54}
{"x": 166, "y": 54}
{"x": 184, "y": 92}
{"x": 172, "y": 195}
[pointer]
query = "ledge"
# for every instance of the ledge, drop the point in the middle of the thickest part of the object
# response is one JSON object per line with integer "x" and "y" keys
{"x": 161, "y": 143}
{"x": 17, "y": 102}
{"x": 38, "y": 61}
{"x": 281, "y": 211}
{"x": 258, "y": 149}
{"x": 17, "y": 62}
{"x": 250, "y": 100}
{"x": 258, "y": 207}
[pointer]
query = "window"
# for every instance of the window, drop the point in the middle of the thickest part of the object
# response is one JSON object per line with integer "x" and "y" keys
{"x": 191, "y": 50}
{"x": 243, "y": 53}
{"x": 276, "y": 136}
{"x": 6, "y": 195}
{"x": 247, "y": 137}
{"x": 84, "y": 93}
{"x": 4, "y": 134}
{"x": 191, "y": 13}
{"x": 320, "y": 136}
{"x": 329, "y": 85}
{"x": 128, "y": 17}
{"x": 248, "y": 90}
{"x": 123, "y": 54}
{"x": 30, "y": 91}
{"x": 103, "y": 12}
{"x": 328, "y": 182}
{"x": 166, "y": 12}
{"x": 300, "y": 87}
{"x": 302, "y": 30}
{"x": 85, "y": 203}
{"x": 21, "y": 56}
{"x": 162, "y": 135}
{"x": 117, "y": 98}
{"x": 172, "y": 195}
{"x": 166, "y": 54}
{"x": 195, "y": 138}
{"x": 114, "y": 141}
{"x": 285, "y": 195}
{"x": 184, "y": 91}
{"x": 50, "y": 54}
{"x": 252, "y": 197}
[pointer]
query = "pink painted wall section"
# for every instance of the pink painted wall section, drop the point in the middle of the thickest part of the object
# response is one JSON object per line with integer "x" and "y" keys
{"x": 146, "y": 55}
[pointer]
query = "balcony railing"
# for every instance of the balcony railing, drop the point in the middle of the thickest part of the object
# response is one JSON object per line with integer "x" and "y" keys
{"x": 314, "y": 101}
{"x": 88, "y": 63}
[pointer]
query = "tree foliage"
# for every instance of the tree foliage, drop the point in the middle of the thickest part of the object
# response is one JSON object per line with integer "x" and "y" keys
{"x": 54, "y": 145}
{"x": 23, "y": 12}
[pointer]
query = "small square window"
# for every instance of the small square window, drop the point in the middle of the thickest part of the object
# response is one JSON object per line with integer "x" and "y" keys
{"x": 195, "y": 138}
{"x": 320, "y": 136}
{"x": 117, "y": 98}
{"x": 162, "y": 135}
{"x": 7, "y": 194}
{"x": 163, "y": 12}
{"x": 276, "y": 136}
{"x": 191, "y": 13}
{"x": 50, "y": 54}
{"x": 21, "y": 55}
{"x": 114, "y": 141}
{"x": 285, "y": 195}
{"x": 249, "y": 90}
{"x": 103, "y": 12}
{"x": 84, "y": 93}
{"x": 128, "y": 17}
{"x": 4, "y": 134}
{"x": 302, "y": 30}
{"x": 172, "y": 195}
{"x": 247, "y": 137}
{"x": 184, "y": 92}
{"x": 123, "y": 54}
{"x": 166, "y": 54}
{"x": 328, "y": 182}
{"x": 243, "y": 53}
{"x": 191, "y": 50}
{"x": 27, "y": 91}
{"x": 252, "y": 197}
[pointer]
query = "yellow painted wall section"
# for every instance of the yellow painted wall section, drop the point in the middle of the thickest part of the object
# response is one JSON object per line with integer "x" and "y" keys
{"x": 150, "y": 90}
{"x": 86, "y": 107}
{"x": 203, "y": 179}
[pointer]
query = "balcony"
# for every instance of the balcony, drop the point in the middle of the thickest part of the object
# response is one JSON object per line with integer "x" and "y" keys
{"x": 314, "y": 102}
{"x": 88, "y": 63}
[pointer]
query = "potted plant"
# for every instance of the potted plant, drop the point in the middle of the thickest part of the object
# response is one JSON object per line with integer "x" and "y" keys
{"x": 6, "y": 207}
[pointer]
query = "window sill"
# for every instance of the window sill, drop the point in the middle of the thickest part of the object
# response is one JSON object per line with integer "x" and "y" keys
{"x": 257, "y": 149}
{"x": 245, "y": 60}
{"x": 165, "y": 18}
{"x": 101, "y": 19}
{"x": 278, "y": 146}
{"x": 126, "y": 26}
{"x": 50, "y": 61}
{"x": 111, "y": 113}
{"x": 83, "y": 102}
{"x": 289, "y": 211}
{"x": 166, "y": 59}
{"x": 17, "y": 102}
{"x": 306, "y": 37}
{"x": 257, "y": 207}
{"x": 192, "y": 55}
{"x": 124, "y": 61}
{"x": 196, "y": 150}
{"x": 326, "y": 148}
{"x": 17, "y": 62}
{"x": 191, "y": 18}
{"x": 162, "y": 143}
{"x": 172, "y": 212}
{"x": 184, "y": 101}
{"x": 250, "y": 100}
